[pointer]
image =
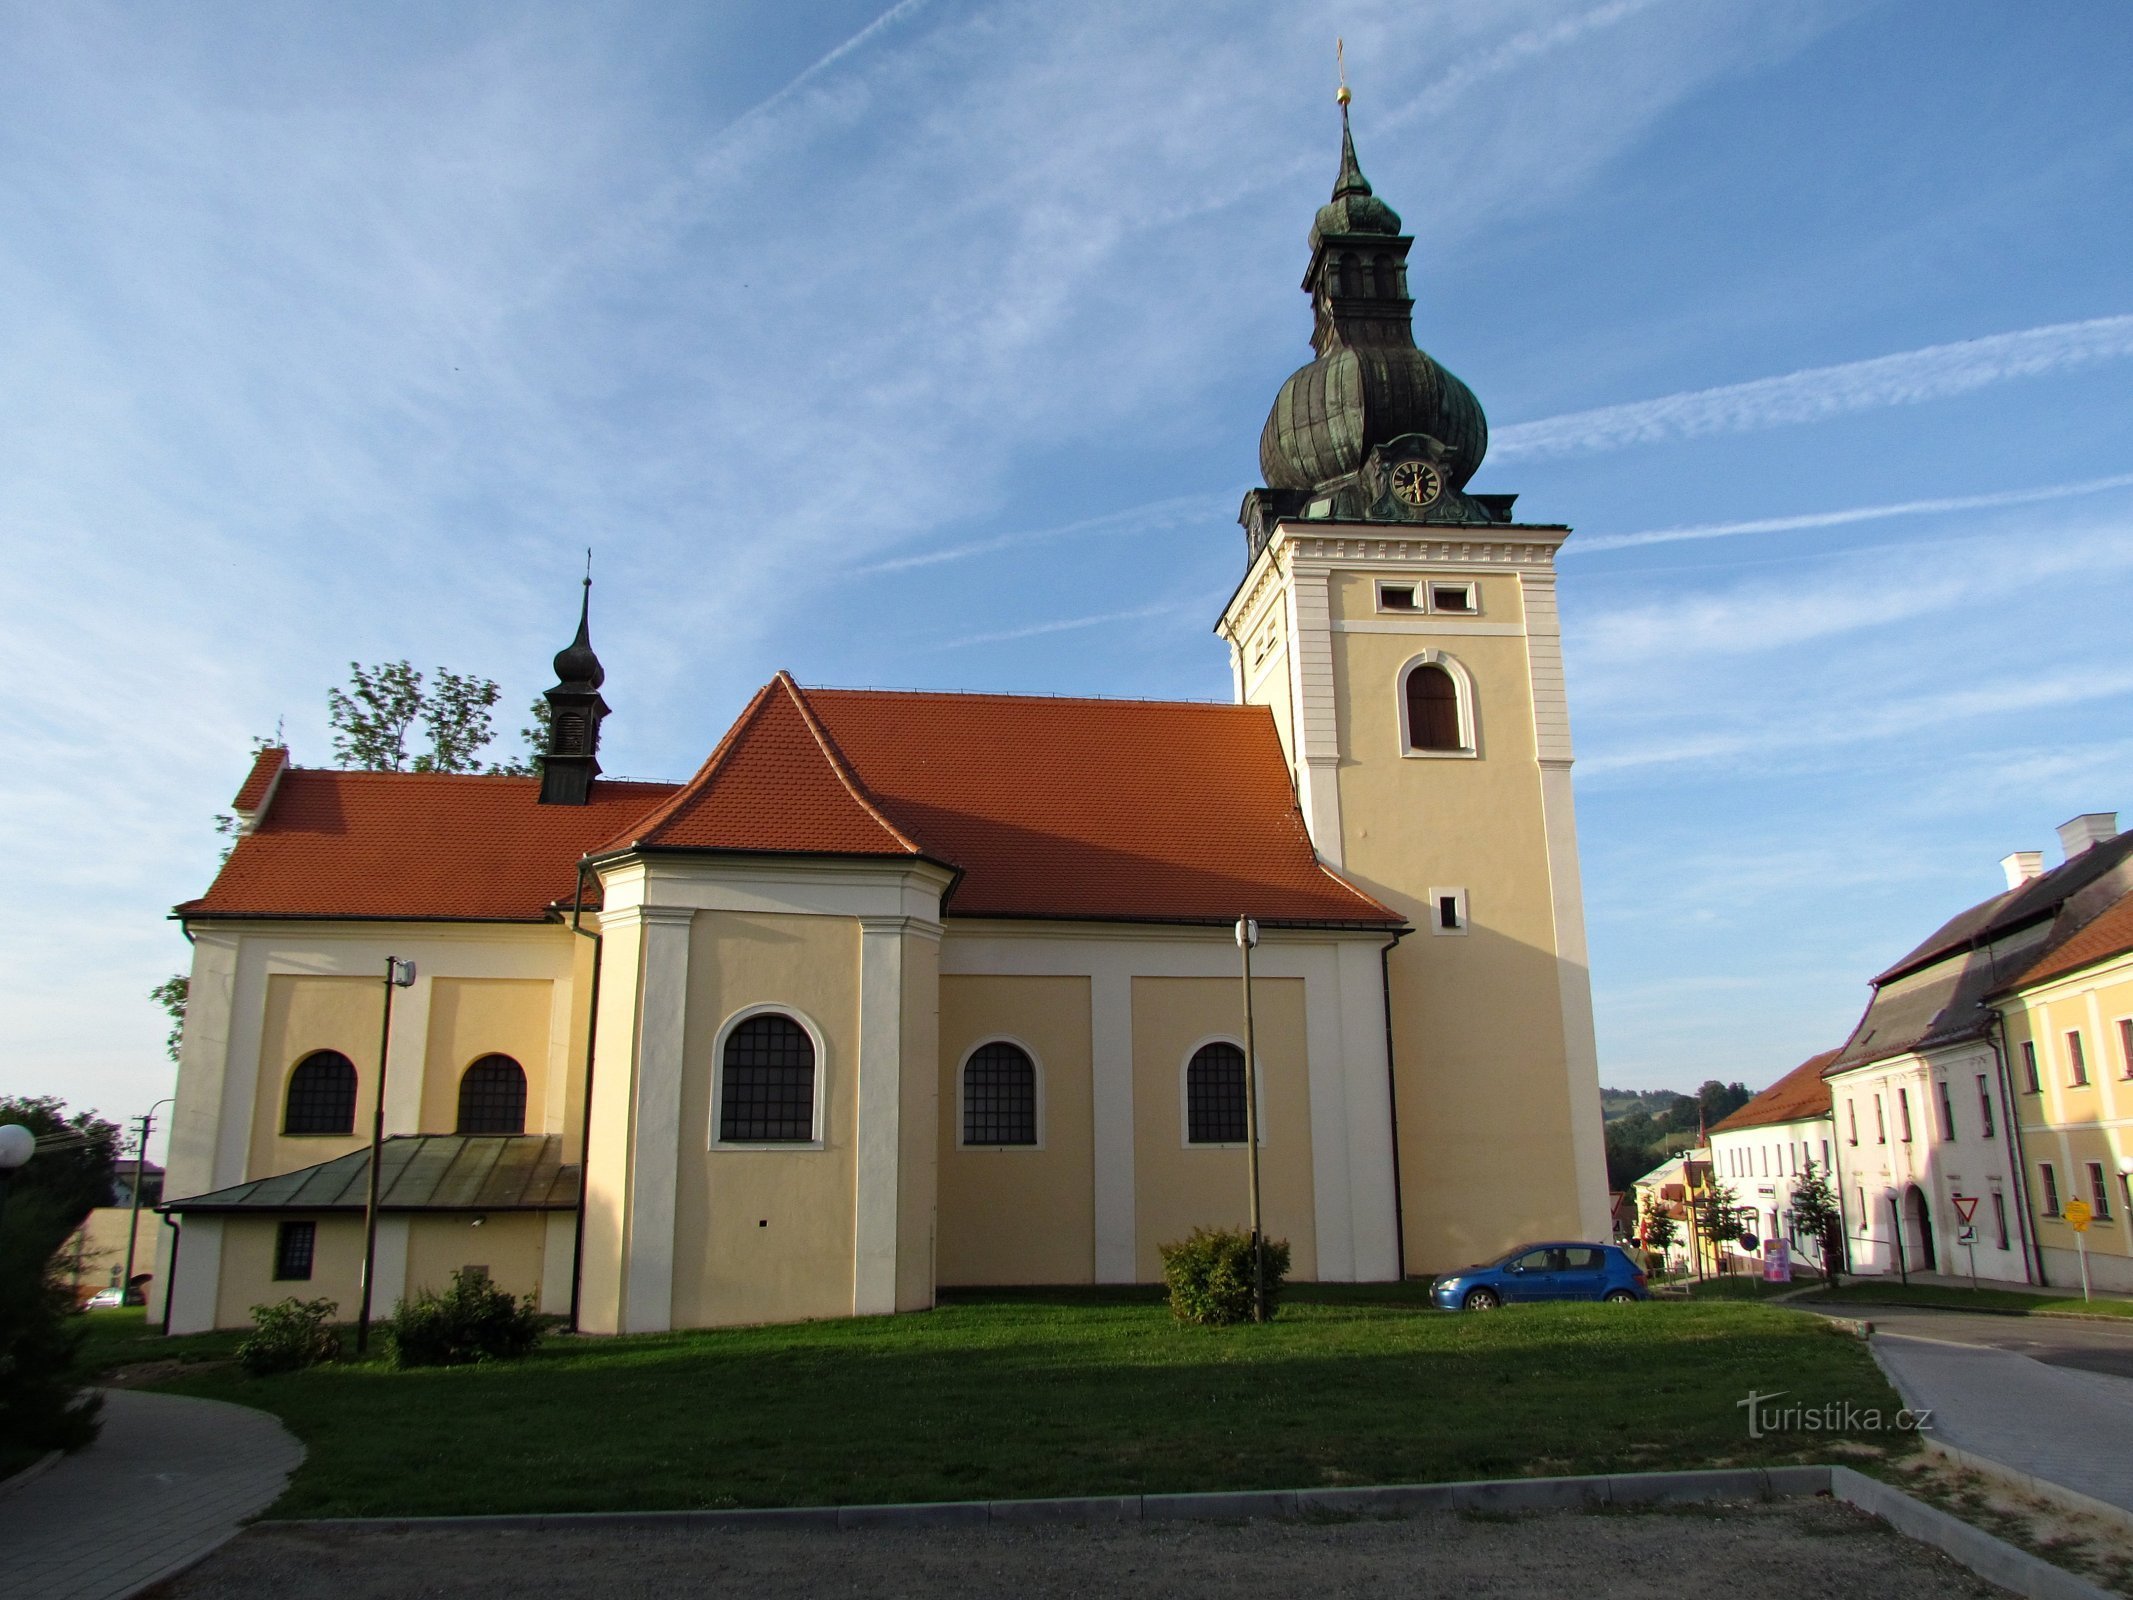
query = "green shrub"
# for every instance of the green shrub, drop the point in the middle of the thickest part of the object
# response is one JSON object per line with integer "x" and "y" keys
{"x": 288, "y": 1336}
{"x": 1210, "y": 1275}
{"x": 471, "y": 1321}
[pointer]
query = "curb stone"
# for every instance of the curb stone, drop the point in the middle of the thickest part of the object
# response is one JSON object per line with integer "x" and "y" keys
{"x": 2043, "y": 1488}
{"x": 1990, "y": 1557}
{"x": 31, "y": 1473}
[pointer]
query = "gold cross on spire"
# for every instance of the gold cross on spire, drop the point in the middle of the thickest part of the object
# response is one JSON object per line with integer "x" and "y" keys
{"x": 1340, "y": 59}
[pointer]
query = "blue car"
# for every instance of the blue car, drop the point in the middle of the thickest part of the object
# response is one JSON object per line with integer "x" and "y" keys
{"x": 1570, "y": 1271}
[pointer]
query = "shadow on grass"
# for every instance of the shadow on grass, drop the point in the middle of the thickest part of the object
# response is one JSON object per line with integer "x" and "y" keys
{"x": 1032, "y": 1395}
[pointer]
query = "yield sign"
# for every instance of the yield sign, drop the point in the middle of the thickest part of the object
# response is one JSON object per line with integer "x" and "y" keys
{"x": 1965, "y": 1206}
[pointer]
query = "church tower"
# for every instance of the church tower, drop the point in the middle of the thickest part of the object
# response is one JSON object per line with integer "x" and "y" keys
{"x": 1403, "y": 632}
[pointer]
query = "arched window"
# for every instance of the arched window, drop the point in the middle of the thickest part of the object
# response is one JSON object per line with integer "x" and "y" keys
{"x": 1386, "y": 286}
{"x": 322, "y": 1095}
{"x": 1214, "y": 1095}
{"x": 999, "y": 1095}
{"x": 767, "y": 1083}
{"x": 1351, "y": 273}
{"x": 1432, "y": 709}
{"x": 492, "y": 1097}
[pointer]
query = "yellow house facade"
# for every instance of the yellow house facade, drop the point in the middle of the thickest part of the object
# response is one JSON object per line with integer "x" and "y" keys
{"x": 910, "y": 990}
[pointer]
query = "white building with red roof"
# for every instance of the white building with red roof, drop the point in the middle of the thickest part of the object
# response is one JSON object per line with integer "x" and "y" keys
{"x": 903, "y": 990}
{"x": 1764, "y": 1150}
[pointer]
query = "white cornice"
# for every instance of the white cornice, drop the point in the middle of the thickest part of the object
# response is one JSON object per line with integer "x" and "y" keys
{"x": 1475, "y": 547}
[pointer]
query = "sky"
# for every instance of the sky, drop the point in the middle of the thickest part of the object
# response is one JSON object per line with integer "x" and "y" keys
{"x": 929, "y": 347}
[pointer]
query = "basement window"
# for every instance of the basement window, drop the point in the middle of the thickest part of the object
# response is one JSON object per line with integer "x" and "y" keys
{"x": 1447, "y": 911}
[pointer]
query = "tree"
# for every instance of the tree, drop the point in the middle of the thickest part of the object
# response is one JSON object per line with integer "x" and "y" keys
{"x": 1817, "y": 1215}
{"x": 41, "y": 1405}
{"x": 535, "y": 737}
{"x": 171, "y": 994}
{"x": 1657, "y": 1225}
{"x": 382, "y": 704}
{"x": 1716, "y": 1213}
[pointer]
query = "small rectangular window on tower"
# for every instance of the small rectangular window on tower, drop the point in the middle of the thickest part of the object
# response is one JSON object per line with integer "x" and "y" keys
{"x": 1397, "y": 597}
{"x": 1447, "y": 911}
{"x": 1457, "y": 598}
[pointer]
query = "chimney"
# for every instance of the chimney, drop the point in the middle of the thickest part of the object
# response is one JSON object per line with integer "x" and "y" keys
{"x": 2090, "y": 828}
{"x": 2022, "y": 866}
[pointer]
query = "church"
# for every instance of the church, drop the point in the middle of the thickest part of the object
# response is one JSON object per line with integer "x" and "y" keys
{"x": 910, "y": 990}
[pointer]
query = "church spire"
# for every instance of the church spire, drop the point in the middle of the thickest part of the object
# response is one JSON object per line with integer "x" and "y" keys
{"x": 574, "y": 713}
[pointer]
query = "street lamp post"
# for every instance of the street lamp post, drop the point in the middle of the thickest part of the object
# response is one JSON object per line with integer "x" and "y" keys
{"x": 133, "y": 1220}
{"x": 398, "y": 975}
{"x": 1248, "y": 936}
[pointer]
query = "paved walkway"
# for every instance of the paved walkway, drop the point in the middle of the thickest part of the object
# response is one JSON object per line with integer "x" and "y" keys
{"x": 168, "y": 1480}
{"x": 2053, "y": 1422}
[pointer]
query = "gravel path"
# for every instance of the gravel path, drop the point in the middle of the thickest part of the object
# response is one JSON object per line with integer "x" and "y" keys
{"x": 1786, "y": 1550}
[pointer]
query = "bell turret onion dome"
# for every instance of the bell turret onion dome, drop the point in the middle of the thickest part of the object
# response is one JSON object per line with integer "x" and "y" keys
{"x": 575, "y": 664}
{"x": 1370, "y": 383}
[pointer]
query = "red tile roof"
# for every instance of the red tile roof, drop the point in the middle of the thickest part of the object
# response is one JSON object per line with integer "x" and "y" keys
{"x": 774, "y": 783}
{"x": 1157, "y": 811}
{"x": 1153, "y": 810}
{"x": 1797, "y": 1097}
{"x": 2108, "y": 933}
{"x": 259, "y": 782}
{"x": 415, "y": 845}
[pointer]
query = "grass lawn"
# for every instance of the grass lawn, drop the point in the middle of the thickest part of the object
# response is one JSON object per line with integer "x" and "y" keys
{"x": 1068, "y": 1393}
{"x": 1945, "y": 1298}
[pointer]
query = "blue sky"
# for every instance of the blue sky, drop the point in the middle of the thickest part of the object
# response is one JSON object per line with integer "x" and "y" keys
{"x": 930, "y": 347}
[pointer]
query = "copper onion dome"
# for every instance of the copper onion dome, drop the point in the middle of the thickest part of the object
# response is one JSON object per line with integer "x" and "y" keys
{"x": 1370, "y": 384}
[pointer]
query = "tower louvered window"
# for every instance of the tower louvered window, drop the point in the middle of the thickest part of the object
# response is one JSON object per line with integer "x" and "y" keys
{"x": 1432, "y": 709}
{"x": 767, "y": 1092}
{"x": 322, "y": 1095}
{"x": 492, "y": 1097}
{"x": 1214, "y": 1095}
{"x": 999, "y": 1095}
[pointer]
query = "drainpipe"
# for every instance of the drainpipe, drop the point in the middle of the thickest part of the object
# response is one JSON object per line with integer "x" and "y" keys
{"x": 2032, "y": 1247}
{"x": 1392, "y": 1104}
{"x": 592, "y": 1037}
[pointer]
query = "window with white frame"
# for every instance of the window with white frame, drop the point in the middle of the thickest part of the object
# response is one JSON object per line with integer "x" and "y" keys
{"x": 1436, "y": 702}
{"x": 999, "y": 1095}
{"x": 1447, "y": 910}
{"x": 1446, "y": 597}
{"x": 2077, "y": 1061}
{"x": 767, "y": 1082}
{"x": 1214, "y": 1095}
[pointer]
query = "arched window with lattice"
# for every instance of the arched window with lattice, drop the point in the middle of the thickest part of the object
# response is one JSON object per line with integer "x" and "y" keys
{"x": 767, "y": 1082}
{"x": 999, "y": 1095}
{"x": 492, "y": 1097}
{"x": 322, "y": 1095}
{"x": 1214, "y": 1095}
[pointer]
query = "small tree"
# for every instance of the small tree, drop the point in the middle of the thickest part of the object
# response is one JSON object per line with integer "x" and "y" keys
{"x": 1816, "y": 1213}
{"x": 382, "y": 704}
{"x": 1657, "y": 1226}
{"x": 171, "y": 994}
{"x": 1716, "y": 1213}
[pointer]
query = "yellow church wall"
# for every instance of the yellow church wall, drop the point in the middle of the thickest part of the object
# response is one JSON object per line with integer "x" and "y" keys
{"x": 247, "y": 1276}
{"x": 508, "y": 1243}
{"x": 1178, "y": 1187}
{"x": 304, "y": 1014}
{"x": 918, "y": 1124}
{"x": 1018, "y": 1215}
{"x": 579, "y": 1050}
{"x": 766, "y": 1235}
{"x": 1485, "y": 1117}
{"x": 474, "y": 1017}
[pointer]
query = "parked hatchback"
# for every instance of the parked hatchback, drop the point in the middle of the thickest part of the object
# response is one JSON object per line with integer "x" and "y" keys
{"x": 1573, "y": 1270}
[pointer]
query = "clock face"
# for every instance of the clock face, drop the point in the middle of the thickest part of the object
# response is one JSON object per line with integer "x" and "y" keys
{"x": 1416, "y": 483}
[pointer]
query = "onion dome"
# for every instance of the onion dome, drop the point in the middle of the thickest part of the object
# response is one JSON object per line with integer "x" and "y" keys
{"x": 1370, "y": 384}
{"x": 575, "y": 663}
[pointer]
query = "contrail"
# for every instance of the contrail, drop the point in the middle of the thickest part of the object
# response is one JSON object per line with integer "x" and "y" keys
{"x": 1819, "y": 393}
{"x": 1833, "y": 519}
{"x": 1070, "y": 625}
{"x": 1153, "y": 515}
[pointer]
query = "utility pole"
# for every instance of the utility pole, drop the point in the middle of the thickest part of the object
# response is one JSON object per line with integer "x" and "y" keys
{"x": 1247, "y": 936}
{"x": 147, "y": 1121}
{"x": 398, "y": 975}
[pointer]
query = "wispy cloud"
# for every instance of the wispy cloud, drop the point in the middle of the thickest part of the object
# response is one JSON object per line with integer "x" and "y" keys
{"x": 1837, "y": 519}
{"x": 1817, "y": 394}
{"x": 1070, "y": 625}
{"x": 1156, "y": 516}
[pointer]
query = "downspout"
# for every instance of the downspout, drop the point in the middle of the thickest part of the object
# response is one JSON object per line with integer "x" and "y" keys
{"x": 1392, "y": 1104}
{"x": 592, "y": 1037}
{"x": 2032, "y": 1249}
{"x": 170, "y": 1281}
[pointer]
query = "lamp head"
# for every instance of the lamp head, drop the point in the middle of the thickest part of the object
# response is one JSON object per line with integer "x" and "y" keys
{"x": 403, "y": 973}
{"x": 17, "y": 1145}
{"x": 1247, "y": 933}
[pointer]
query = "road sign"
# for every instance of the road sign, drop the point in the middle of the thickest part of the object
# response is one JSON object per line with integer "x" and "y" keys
{"x": 1966, "y": 1234}
{"x": 1965, "y": 1206}
{"x": 2078, "y": 1215}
